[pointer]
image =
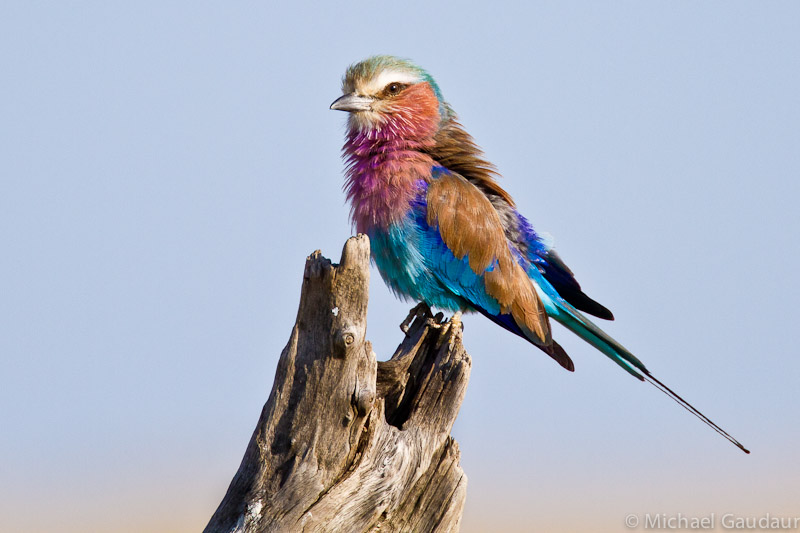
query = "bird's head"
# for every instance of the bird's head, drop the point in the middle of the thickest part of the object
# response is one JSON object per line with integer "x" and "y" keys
{"x": 388, "y": 93}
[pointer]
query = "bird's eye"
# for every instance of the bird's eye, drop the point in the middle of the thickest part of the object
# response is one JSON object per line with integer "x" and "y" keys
{"x": 394, "y": 88}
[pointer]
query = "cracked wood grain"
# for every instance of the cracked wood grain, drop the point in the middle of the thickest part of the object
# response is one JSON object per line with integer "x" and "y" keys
{"x": 345, "y": 442}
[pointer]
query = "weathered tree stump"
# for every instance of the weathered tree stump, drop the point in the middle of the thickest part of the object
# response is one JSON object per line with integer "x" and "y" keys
{"x": 346, "y": 443}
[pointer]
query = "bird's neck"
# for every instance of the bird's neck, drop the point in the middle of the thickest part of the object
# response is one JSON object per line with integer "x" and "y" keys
{"x": 387, "y": 166}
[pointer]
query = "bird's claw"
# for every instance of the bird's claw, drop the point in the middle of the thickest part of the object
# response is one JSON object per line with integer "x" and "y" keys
{"x": 454, "y": 325}
{"x": 420, "y": 310}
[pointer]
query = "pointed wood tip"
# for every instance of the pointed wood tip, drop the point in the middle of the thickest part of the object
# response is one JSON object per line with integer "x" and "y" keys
{"x": 355, "y": 252}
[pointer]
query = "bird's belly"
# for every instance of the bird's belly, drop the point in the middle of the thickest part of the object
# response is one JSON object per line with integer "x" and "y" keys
{"x": 406, "y": 269}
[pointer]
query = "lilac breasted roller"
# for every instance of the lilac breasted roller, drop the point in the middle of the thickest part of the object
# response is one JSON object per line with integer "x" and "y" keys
{"x": 444, "y": 232}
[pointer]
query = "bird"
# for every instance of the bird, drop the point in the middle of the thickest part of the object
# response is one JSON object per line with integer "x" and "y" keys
{"x": 443, "y": 231}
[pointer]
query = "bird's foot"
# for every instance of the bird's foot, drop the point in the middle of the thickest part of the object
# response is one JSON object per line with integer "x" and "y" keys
{"x": 420, "y": 310}
{"x": 453, "y": 325}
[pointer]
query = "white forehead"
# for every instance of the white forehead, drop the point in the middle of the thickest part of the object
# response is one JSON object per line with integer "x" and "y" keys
{"x": 387, "y": 76}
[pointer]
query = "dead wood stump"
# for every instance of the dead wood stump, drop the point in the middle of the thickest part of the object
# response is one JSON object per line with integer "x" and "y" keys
{"x": 346, "y": 443}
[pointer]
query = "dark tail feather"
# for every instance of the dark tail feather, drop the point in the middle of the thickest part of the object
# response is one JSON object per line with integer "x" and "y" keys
{"x": 559, "y": 355}
{"x": 555, "y": 350}
{"x": 583, "y": 302}
{"x": 689, "y": 407}
{"x": 563, "y": 281}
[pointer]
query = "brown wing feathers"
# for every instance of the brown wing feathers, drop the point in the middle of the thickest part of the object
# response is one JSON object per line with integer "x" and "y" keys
{"x": 470, "y": 226}
{"x": 466, "y": 210}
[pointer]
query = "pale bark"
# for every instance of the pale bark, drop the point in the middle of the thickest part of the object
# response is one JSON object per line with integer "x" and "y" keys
{"x": 346, "y": 443}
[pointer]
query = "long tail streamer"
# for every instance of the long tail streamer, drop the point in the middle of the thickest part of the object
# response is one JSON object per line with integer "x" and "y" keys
{"x": 689, "y": 407}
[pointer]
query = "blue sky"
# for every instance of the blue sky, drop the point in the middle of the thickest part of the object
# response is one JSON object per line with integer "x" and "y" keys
{"x": 166, "y": 167}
